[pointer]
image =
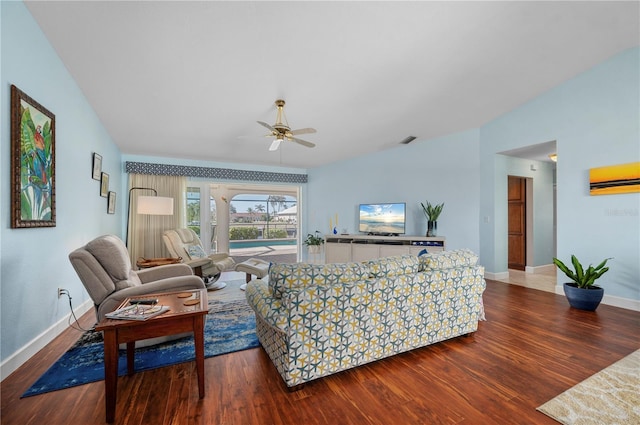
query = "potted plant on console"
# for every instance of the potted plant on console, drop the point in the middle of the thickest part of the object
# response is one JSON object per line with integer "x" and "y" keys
{"x": 313, "y": 242}
{"x": 581, "y": 292}
{"x": 432, "y": 212}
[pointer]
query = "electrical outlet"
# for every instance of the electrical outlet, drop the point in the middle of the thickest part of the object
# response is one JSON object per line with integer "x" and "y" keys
{"x": 61, "y": 292}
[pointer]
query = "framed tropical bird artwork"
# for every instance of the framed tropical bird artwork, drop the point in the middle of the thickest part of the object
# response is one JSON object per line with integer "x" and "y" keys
{"x": 33, "y": 164}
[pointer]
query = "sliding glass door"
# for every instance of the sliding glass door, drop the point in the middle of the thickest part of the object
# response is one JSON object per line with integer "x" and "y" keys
{"x": 245, "y": 220}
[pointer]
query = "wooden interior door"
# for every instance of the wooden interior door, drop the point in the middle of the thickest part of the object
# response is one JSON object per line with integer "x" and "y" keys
{"x": 517, "y": 199}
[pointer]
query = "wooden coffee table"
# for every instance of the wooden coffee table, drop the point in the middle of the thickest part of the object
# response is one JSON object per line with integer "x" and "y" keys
{"x": 187, "y": 312}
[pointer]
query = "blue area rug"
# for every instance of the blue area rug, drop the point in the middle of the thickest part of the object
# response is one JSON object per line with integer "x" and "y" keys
{"x": 230, "y": 326}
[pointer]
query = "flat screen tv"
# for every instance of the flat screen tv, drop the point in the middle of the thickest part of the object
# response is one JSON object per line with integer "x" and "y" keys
{"x": 382, "y": 219}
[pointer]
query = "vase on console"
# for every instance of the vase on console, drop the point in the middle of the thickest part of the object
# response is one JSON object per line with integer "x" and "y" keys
{"x": 432, "y": 228}
{"x": 432, "y": 212}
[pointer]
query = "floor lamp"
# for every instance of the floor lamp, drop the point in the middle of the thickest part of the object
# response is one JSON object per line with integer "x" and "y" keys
{"x": 150, "y": 205}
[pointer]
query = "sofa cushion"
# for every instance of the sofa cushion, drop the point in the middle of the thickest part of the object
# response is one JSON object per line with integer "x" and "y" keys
{"x": 394, "y": 266}
{"x": 448, "y": 259}
{"x": 297, "y": 276}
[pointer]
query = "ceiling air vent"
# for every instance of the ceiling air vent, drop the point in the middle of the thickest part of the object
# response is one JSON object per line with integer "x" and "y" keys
{"x": 408, "y": 140}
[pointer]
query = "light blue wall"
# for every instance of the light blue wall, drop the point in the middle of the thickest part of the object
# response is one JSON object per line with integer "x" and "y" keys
{"x": 595, "y": 120}
{"x": 445, "y": 169}
{"x": 34, "y": 262}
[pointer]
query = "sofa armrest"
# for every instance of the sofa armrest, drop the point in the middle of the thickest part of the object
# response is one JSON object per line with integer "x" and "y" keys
{"x": 163, "y": 272}
{"x": 265, "y": 305}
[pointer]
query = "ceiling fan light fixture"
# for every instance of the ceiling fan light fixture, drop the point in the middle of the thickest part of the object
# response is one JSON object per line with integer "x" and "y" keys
{"x": 275, "y": 144}
{"x": 281, "y": 130}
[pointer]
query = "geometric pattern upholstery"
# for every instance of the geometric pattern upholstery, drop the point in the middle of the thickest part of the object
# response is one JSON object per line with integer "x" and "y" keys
{"x": 292, "y": 277}
{"x": 313, "y": 330}
{"x": 393, "y": 266}
{"x": 448, "y": 259}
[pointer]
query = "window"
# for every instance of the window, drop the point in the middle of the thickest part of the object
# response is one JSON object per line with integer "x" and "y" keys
{"x": 193, "y": 209}
{"x": 262, "y": 216}
{"x": 196, "y": 216}
{"x": 245, "y": 220}
{"x": 263, "y": 224}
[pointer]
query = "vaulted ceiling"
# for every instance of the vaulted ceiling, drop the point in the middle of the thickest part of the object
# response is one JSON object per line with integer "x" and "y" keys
{"x": 190, "y": 79}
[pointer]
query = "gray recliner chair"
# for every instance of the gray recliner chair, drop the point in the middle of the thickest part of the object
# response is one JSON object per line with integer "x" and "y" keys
{"x": 104, "y": 268}
{"x": 186, "y": 244}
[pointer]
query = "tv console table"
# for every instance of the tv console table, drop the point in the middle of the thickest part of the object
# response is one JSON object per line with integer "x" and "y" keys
{"x": 347, "y": 248}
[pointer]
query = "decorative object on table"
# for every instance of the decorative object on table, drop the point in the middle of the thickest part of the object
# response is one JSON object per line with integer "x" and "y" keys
{"x": 111, "y": 203}
{"x": 581, "y": 292}
{"x": 137, "y": 312}
{"x": 313, "y": 242}
{"x": 334, "y": 227}
{"x": 432, "y": 212}
{"x": 145, "y": 263}
{"x": 96, "y": 173}
{"x": 230, "y": 327}
{"x": 33, "y": 195}
{"x": 104, "y": 184}
{"x": 615, "y": 179}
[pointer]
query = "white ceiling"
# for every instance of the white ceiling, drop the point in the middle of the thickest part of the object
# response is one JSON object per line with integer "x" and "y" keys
{"x": 187, "y": 79}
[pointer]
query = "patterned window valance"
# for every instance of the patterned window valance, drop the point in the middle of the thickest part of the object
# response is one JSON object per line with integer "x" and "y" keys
{"x": 212, "y": 173}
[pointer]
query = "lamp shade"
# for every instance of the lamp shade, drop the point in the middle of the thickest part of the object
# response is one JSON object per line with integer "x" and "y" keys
{"x": 155, "y": 205}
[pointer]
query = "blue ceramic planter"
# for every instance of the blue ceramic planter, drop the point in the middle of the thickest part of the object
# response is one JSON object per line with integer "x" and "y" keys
{"x": 583, "y": 299}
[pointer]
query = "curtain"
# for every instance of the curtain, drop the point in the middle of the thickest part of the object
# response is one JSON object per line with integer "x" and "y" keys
{"x": 145, "y": 231}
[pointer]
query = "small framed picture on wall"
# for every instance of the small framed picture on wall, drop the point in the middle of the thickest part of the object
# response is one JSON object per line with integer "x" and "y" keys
{"x": 104, "y": 185}
{"x": 97, "y": 166}
{"x": 111, "y": 204}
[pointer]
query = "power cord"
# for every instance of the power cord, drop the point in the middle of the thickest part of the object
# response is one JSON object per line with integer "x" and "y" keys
{"x": 75, "y": 325}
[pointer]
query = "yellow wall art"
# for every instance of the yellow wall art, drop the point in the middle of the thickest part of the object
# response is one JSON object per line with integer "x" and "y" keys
{"x": 615, "y": 179}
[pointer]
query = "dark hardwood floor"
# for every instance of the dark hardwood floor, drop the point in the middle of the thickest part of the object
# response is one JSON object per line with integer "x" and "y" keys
{"x": 531, "y": 348}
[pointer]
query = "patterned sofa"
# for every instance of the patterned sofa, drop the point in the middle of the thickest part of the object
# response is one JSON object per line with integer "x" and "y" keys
{"x": 315, "y": 320}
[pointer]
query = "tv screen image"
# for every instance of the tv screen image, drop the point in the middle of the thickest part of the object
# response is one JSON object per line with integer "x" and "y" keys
{"x": 384, "y": 219}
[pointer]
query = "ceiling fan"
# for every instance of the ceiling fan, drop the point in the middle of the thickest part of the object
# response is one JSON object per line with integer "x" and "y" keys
{"x": 281, "y": 130}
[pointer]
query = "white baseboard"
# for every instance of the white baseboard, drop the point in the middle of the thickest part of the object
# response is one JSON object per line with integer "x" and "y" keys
{"x": 496, "y": 276}
{"x": 18, "y": 358}
{"x": 547, "y": 268}
{"x": 627, "y": 303}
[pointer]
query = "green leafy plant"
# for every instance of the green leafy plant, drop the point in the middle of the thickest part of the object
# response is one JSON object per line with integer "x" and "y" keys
{"x": 432, "y": 212}
{"x": 313, "y": 239}
{"x": 583, "y": 278}
{"x": 243, "y": 233}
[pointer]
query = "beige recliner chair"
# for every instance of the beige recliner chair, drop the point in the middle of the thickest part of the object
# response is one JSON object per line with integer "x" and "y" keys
{"x": 185, "y": 243}
{"x": 104, "y": 268}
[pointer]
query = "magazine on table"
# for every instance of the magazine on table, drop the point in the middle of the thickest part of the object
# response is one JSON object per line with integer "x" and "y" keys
{"x": 137, "y": 312}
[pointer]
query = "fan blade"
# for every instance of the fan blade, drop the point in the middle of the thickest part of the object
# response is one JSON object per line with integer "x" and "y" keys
{"x": 303, "y": 142}
{"x": 264, "y": 124}
{"x": 257, "y": 136}
{"x": 275, "y": 145}
{"x": 302, "y": 131}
